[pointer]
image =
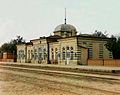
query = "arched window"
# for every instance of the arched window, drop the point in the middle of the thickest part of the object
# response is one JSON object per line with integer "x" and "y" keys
{"x": 67, "y": 47}
{"x": 56, "y": 54}
{"x": 71, "y": 48}
{"x": 51, "y": 49}
{"x": 63, "y": 48}
{"x": 56, "y": 49}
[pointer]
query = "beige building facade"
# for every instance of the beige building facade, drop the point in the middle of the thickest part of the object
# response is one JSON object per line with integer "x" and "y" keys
{"x": 65, "y": 47}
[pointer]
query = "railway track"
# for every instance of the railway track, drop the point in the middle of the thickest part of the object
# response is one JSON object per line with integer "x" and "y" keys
{"x": 32, "y": 75}
{"x": 112, "y": 72}
{"x": 69, "y": 73}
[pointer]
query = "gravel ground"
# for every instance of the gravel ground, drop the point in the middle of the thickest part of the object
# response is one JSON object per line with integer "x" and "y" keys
{"x": 11, "y": 84}
{"x": 20, "y": 88}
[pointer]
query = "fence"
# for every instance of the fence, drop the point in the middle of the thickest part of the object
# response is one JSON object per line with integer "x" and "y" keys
{"x": 6, "y": 60}
{"x": 103, "y": 62}
{"x": 7, "y": 57}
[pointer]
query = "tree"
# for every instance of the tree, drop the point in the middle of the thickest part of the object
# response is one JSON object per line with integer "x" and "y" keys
{"x": 100, "y": 34}
{"x": 18, "y": 40}
{"x": 113, "y": 45}
{"x": 11, "y": 46}
{"x": 4, "y": 48}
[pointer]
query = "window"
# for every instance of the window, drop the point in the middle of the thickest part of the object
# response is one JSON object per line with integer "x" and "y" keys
{"x": 67, "y": 47}
{"x": 39, "y": 50}
{"x": 40, "y": 56}
{"x": 52, "y": 54}
{"x": 67, "y": 54}
{"x": 19, "y": 55}
{"x": 40, "y": 53}
{"x": 45, "y": 54}
{"x": 110, "y": 55}
{"x": 90, "y": 50}
{"x": 71, "y": 48}
{"x": 56, "y": 49}
{"x": 78, "y": 54}
{"x": 71, "y": 55}
{"x": 63, "y": 48}
{"x": 56, "y": 54}
{"x": 35, "y": 54}
{"x": 100, "y": 50}
{"x": 63, "y": 55}
{"x": 44, "y": 50}
{"x": 28, "y": 54}
{"x": 32, "y": 54}
{"x": 51, "y": 49}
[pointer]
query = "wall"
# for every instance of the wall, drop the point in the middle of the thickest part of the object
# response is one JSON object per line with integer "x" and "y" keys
{"x": 54, "y": 50}
{"x": 1, "y": 56}
{"x": 7, "y": 57}
{"x": 7, "y": 60}
{"x": 29, "y": 53}
{"x": 96, "y": 47}
{"x": 21, "y": 55}
{"x": 39, "y": 46}
{"x": 106, "y": 62}
{"x": 64, "y": 43}
{"x": 84, "y": 55}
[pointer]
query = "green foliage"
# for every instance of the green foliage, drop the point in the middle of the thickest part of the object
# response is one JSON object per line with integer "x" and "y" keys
{"x": 100, "y": 34}
{"x": 11, "y": 46}
{"x": 7, "y": 47}
{"x": 113, "y": 45}
{"x": 19, "y": 40}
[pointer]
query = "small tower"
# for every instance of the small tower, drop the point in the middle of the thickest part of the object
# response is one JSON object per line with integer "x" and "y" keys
{"x": 65, "y": 30}
{"x": 65, "y": 15}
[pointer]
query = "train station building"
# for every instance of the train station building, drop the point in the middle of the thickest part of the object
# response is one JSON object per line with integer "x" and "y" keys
{"x": 64, "y": 47}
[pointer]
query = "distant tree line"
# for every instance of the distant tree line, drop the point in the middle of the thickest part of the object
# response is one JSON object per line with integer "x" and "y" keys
{"x": 113, "y": 45}
{"x": 11, "y": 46}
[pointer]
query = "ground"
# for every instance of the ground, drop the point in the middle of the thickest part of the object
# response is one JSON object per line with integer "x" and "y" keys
{"x": 27, "y": 83}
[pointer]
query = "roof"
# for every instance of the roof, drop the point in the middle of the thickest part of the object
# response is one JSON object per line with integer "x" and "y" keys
{"x": 29, "y": 43}
{"x": 39, "y": 38}
{"x": 65, "y": 27}
{"x": 90, "y": 36}
{"x": 55, "y": 36}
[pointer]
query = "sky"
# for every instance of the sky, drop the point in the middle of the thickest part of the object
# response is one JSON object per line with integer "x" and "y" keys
{"x": 32, "y": 19}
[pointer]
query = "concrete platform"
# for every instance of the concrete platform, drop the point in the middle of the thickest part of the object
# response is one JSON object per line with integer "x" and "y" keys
{"x": 67, "y": 67}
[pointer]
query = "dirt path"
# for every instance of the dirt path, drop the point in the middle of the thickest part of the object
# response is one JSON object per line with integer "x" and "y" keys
{"x": 11, "y": 84}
